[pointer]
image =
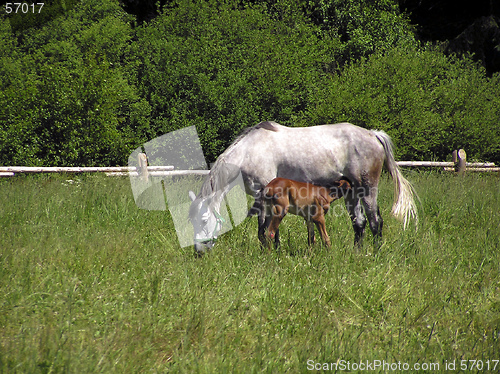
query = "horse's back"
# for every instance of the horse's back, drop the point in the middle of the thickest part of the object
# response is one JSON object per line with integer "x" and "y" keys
{"x": 316, "y": 154}
{"x": 340, "y": 141}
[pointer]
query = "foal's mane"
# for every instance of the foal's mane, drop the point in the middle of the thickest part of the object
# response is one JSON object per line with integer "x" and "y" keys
{"x": 221, "y": 173}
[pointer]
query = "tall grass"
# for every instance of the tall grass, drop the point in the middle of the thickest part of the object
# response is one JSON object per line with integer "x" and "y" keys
{"x": 89, "y": 284}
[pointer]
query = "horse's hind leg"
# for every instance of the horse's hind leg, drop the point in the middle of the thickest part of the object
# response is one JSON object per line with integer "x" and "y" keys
{"x": 374, "y": 218}
{"x": 358, "y": 219}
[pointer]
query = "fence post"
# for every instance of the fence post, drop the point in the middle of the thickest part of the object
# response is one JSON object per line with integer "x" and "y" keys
{"x": 142, "y": 168}
{"x": 454, "y": 156}
{"x": 460, "y": 161}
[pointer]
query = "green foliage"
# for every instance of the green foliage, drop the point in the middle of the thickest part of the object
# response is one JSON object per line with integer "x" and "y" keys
{"x": 84, "y": 85}
{"x": 65, "y": 97}
{"x": 360, "y": 27}
{"x": 368, "y": 26}
{"x": 89, "y": 283}
{"x": 224, "y": 69}
{"x": 37, "y": 15}
{"x": 18, "y": 103}
{"x": 429, "y": 103}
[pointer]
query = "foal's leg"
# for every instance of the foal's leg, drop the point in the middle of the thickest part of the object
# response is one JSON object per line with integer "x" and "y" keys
{"x": 321, "y": 225}
{"x": 320, "y": 209}
{"x": 310, "y": 233}
{"x": 278, "y": 213}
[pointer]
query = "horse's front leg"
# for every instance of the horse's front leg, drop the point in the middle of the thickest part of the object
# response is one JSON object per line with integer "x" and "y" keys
{"x": 260, "y": 208}
{"x": 263, "y": 222}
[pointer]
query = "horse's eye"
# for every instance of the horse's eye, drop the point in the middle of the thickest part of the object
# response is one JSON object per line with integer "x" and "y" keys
{"x": 205, "y": 217}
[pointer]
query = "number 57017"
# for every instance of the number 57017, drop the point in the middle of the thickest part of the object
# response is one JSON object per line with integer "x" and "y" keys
{"x": 23, "y": 8}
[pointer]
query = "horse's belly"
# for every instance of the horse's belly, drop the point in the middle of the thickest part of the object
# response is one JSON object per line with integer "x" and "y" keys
{"x": 319, "y": 174}
{"x": 306, "y": 211}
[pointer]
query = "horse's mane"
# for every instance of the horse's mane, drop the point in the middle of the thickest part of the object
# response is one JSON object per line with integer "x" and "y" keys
{"x": 266, "y": 125}
{"x": 221, "y": 173}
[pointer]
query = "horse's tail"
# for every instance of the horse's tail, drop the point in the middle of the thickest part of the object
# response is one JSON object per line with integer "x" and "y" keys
{"x": 404, "y": 207}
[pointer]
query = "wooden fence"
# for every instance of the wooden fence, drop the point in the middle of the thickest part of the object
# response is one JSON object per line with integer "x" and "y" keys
{"x": 459, "y": 165}
{"x": 9, "y": 171}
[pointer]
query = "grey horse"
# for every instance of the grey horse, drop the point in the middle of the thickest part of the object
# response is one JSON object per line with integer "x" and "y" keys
{"x": 320, "y": 155}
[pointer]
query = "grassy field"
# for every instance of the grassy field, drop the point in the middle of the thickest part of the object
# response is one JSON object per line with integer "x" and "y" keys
{"x": 89, "y": 283}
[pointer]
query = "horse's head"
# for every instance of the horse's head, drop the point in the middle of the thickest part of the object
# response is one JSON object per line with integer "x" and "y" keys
{"x": 207, "y": 223}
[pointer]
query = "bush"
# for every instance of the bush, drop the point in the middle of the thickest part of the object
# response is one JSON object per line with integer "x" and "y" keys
{"x": 18, "y": 89}
{"x": 429, "y": 103}
{"x": 88, "y": 86}
{"x": 66, "y": 99}
{"x": 359, "y": 27}
{"x": 224, "y": 68}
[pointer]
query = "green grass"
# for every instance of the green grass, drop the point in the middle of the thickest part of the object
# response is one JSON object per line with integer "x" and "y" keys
{"x": 90, "y": 284}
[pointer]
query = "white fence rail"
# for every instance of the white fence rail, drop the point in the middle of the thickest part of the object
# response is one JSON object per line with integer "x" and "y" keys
{"x": 10, "y": 171}
{"x": 112, "y": 170}
{"x": 459, "y": 165}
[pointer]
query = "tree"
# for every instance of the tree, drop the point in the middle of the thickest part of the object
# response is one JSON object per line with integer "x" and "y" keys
{"x": 223, "y": 68}
{"x": 66, "y": 99}
{"x": 430, "y": 104}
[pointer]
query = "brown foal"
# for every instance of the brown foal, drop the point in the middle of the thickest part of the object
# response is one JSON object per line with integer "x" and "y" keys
{"x": 312, "y": 202}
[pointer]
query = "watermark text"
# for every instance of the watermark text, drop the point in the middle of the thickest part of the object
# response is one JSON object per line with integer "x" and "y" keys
{"x": 448, "y": 365}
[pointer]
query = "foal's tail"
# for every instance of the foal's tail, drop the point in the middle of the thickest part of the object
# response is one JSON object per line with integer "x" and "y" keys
{"x": 404, "y": 207}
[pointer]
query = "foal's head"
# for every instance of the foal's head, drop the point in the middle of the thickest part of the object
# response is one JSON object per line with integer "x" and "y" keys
{"x": 340, "y": 188}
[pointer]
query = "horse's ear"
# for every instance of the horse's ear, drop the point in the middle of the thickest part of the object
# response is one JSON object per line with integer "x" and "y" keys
{"x": 192, "y": 196}
{"x": 344, "y": 183}
{"x": 344, "y": 186}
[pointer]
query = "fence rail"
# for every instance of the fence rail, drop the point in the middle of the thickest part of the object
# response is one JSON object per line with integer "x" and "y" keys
{"x": 123, "y": 170}
{"x": 459, "y": 165}
{"x": 443, "y": 164}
